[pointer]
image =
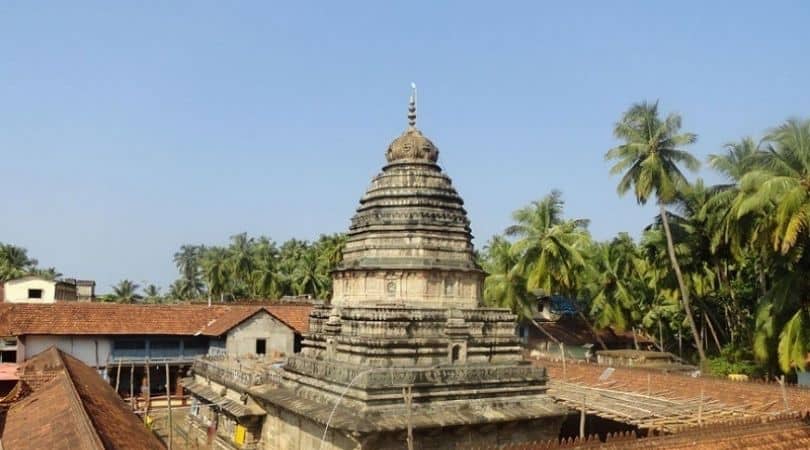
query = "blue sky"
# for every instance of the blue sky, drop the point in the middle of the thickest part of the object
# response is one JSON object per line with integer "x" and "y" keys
{"x": 130, "y": 128}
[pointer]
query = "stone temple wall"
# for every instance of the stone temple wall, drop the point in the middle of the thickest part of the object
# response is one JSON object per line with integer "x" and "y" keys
{"x": 436, "y": 288}
{"x": 287, "y": 431}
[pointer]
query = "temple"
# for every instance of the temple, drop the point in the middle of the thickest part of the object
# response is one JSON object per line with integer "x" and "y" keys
{"x": 404, "y": 352}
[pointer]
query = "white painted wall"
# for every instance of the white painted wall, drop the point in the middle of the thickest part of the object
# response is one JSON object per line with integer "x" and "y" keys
{"x": 241, "y": 340}
{"x": 16, "y": 291}
{"x": 80, "y": 347}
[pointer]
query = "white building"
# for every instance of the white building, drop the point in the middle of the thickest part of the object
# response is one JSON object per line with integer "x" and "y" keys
{"x": 36, "y": 289}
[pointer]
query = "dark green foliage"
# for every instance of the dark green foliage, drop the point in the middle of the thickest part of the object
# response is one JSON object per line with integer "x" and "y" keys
{"x": 257, "y": 268}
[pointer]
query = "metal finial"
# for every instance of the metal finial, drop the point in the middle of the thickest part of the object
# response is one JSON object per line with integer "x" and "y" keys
{"x": 412, "y": 108}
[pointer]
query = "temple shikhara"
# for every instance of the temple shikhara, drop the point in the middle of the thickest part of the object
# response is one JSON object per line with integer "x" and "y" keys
{"x": 404, "y": 350}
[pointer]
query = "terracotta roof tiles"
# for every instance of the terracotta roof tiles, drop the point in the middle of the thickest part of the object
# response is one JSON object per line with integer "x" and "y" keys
{"x": 111, "y": 319}
{"x": 75, "y": 409}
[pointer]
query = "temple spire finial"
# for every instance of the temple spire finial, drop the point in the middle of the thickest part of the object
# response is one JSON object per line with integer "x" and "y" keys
{"x": 412, "y": 108}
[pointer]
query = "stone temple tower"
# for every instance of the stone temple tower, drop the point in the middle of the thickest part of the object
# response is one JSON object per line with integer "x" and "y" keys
{"x": 409, "y": 242}
{"x": 405, "y": 346}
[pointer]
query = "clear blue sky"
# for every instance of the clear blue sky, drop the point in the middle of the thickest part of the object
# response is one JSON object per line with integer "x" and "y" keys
{"x": 130, "y": 128}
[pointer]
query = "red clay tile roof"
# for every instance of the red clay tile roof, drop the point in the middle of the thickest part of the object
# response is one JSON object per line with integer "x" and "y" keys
{"x": 574, "y": 331}
{"x": 294, "y": 316}
{"x": 76, "y": 409}
{"x": 759, "y": 396}
{"x": 110, "y": 318}
{"x": 784, "y": 432}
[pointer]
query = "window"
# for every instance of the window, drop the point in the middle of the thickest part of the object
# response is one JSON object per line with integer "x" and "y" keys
{"x": 261, "y": 346}
{"x": 455, "y": 353}
{"x": 129, "y": 345}
{"x": 35, "y": 293}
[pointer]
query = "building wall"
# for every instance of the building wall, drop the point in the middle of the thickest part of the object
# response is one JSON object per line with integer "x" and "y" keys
{"x": 241, "y": 340}
{"x": 284, "y": 430}
{"x": 16, "y": 291}
{"x": 91, "y": 350}
{"x": 85, "y": 291}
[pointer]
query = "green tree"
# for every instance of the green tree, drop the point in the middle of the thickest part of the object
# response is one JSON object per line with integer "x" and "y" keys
{"x": 504, "y": 287}
{"x": 126, "y": 291}
{"x": 617, "y": 287}
{"x": 776, "y": 192}
{"x": 215, "y": 271}
{"x": 152, "y": 293}
{"x": 267, "y": 281}
{"x": 187, "y": 261}
{"x": 14, "y": 262}
{"x": 549, "y": 248}
{"x": 648, "y": 159}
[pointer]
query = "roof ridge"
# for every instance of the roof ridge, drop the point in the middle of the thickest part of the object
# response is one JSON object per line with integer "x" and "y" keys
{"x": 78, "y": 403}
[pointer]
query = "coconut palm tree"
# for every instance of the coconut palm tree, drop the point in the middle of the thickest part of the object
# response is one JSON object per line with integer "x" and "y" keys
{"x": 187, "y": 261}
{"x": 648, "y": 159}
{"x": 504, "y": 287}
{"x": 214, "y": 265}
{"x": 240, "y": 260}
{"x": 126, "y": 291}
{"x": 307, "y": 278}
{"x": 14, "y": 262}
{"x": 266, "y": 279}
{"x": 777, "y": 193}
{"x": 152, "y": 293}
{"x": 549, "y": 248}
{"x": 618, "y": 289}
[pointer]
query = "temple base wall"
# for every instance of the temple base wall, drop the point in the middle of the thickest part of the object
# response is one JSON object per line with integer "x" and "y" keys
{"x": 285, "y": 430}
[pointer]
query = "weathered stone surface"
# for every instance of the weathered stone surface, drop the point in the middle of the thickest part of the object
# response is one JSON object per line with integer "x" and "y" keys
{"x": 410, "y": 241}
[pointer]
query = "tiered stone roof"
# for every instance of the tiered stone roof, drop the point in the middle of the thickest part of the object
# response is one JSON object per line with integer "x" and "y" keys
{"x": 410, "y": 240}
{"x": 411, "y": 216}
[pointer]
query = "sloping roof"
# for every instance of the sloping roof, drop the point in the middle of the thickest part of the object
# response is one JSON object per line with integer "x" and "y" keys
{"x": 294, "y": 316}
{"x": 784, "y": 432}
{"x": 574, "y": 331}
{"x": 111, "y": 318}
{"x": 75, "y": 409}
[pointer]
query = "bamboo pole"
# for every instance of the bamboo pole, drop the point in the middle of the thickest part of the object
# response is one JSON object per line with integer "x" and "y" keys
{"x": 582, "y": 419}
{"x": 661, "y": 335}
{"x": 118, "y": 377}
{"x": 132, "y": 384}
{"x": 781, "y": 381}
{"x": 148, "y": 393}
{"x": 169, "y": 402}
{"x": 562, "y": 352}
{"x": 407, "y": 395}
{"x": 649, "y": 384}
